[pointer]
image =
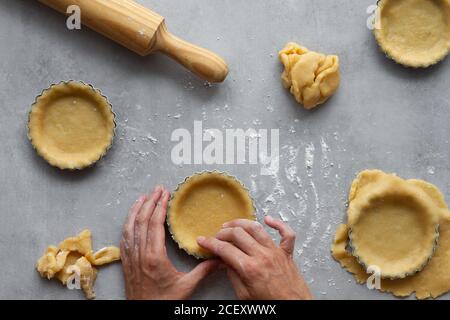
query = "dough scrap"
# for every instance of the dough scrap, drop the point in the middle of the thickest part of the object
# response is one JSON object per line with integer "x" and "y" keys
{"x": 202, "y": 204}
{"x": 311, "y": 77}
{"x": 71, "y": 125}
{"x": 57, "y": 262}
{"x": 414, "y": 33}
{"x": 433, "y": 280}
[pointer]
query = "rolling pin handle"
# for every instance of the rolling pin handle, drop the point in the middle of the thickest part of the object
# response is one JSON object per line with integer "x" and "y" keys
{"x": 199, "y": 61}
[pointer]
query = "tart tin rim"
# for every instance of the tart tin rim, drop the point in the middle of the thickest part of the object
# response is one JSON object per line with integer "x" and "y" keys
{"x": 186, "y": 179}
{"x": 352, "y": 250}
{"x": 422, "y": 65}
{"x": 96, "y": 90}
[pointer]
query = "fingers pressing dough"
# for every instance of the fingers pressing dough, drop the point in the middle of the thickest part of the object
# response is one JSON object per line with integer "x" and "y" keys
{"x": 202, "y": 204}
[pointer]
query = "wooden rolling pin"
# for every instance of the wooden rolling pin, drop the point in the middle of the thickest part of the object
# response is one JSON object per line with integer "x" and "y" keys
{"x": 144, "y": 31}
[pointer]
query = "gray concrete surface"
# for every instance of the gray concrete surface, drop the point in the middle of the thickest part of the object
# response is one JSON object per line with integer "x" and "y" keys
{"x": 384, "y": 116}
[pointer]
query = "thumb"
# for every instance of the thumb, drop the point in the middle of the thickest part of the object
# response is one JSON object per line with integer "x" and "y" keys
{"x": 200, "y": 272}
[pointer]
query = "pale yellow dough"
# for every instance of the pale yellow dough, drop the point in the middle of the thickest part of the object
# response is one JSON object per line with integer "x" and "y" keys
{"x": 393, "y": 224}
{"x": 311, "y": 77}
{"x": 414, "y": 33}
{"x": 202, "y": 204}
{"x": 71, "y": 125}
{"x": 76, "y": 251}
{"x": 434, "y": 279}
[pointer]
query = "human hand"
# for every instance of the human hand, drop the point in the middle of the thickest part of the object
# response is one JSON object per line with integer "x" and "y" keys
{"x": 148, "y": 272}
{"x": 258, "y": 268}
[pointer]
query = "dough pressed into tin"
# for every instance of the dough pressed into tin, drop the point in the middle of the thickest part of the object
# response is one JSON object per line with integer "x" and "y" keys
{"x": 71, "y": 125}
{"x": 415, "y": 33}
{"x": 202, "y": 204}
{"x": 434, "y": 279}
{"x": 311, "y": 77}
{"x": 393, "y": 224}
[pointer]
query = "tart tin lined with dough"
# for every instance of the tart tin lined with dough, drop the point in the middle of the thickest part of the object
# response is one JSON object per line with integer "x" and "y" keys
{"x": 414, "y": 33}
{"x": 403, "y": 275}
{"x": 393, "y": 224}
{"x": 71, "y": 125}
{"x": 185, "y": 230}
{"x": 431, "y": 282}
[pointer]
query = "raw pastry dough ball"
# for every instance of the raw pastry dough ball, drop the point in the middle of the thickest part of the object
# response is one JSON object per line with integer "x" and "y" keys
{"x": 311, "y": 77}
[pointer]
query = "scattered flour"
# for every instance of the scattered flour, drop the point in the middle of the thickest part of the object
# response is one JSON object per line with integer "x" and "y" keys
{"x": 326, "y": 165}
{"x": 270, "y": 199}
{"x": 309, "y": 158}
{"x": 291, "y": 193}
{"x": 253, "y": 186}
{"x": 189, "y": 86}
{"x": 315, "y": 219}
{"x": 291, "y": 169}
{"x": 151, "y": 139}
{"x": 283, "y": 217}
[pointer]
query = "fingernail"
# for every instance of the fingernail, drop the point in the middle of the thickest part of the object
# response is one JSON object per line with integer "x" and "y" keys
{"x": 225, "y": 225}
{"x": 200, "y": 239}
{"x": 141, "y": 198}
